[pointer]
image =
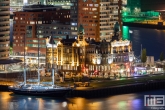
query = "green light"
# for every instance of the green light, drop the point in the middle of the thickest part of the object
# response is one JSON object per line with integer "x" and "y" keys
{"x": 126, "y": 33}
{"x": 125, "y": 14}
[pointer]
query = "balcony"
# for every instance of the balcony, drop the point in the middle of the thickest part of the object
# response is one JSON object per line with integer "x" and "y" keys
{"x": 4, "y": 27}
{"x": 4, "y": 12}
{"x": 4, "y": 7}
{"x": 105, "y": 30}
{"x": 4, "y": 48}
{"x": 5, "y": 42}
{"x": 4, "y": 37}
{"x": 4, "y": 57}
{"x": 4, "y": 22}
{"x": 2, "y": 2}
{"x": 4, "y": 16}
{"x": 4, "y": 32}
{"x": 3, "y": 53}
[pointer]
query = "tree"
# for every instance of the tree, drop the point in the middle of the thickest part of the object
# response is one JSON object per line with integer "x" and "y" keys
{"x": 144, "y": 56}
{"x": 161, "y": 57}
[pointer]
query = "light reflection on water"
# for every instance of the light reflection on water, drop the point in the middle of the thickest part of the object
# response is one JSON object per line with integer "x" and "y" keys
{"x": 151, "y": 39}
{"x": 8, "y": 101}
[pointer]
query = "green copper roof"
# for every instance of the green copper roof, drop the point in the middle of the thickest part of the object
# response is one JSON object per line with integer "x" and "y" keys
{"x": 81, "y": 29}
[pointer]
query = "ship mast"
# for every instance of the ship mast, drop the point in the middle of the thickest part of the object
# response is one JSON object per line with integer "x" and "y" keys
{"x": 38, "y": 61}
{"x": 52, "y": 41}
{"x": 24, "y": 73}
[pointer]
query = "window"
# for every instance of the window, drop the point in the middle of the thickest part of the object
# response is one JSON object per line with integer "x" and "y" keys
{"x": 32, "y": 22}
{"x": 90, "y": 4}
{"x": 94, "y": 9}
{"x": 96, "y": 5}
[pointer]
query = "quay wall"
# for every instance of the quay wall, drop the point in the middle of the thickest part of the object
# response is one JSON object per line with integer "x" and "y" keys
{"x": 142, "y": 25}
{"x": 101, "y": 92}
{"x": 131, "y": 88}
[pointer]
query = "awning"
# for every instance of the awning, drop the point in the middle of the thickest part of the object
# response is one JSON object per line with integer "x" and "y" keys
{"x": 9, "y": 61}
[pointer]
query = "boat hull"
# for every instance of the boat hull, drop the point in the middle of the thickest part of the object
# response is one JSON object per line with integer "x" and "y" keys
{"x": 51, "y": 93}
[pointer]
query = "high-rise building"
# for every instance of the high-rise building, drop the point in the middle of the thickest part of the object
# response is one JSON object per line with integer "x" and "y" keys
{"x": 72, "y": 5}
{"x": 4, "y": 28}
{"x": 34, "y": 23}
{"x": 17, "y": 5}
{"x": 98, "y": 17}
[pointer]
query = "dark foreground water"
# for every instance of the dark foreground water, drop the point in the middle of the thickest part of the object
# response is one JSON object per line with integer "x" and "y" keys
{"x": 134, "y": 101}
{"x": 151, "y": 39}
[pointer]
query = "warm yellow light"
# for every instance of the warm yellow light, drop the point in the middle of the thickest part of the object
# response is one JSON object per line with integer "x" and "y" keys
{"x": 78, "y": 45}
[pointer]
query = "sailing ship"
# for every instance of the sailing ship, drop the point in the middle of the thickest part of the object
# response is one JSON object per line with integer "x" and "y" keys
{"x": 40, "y": 89}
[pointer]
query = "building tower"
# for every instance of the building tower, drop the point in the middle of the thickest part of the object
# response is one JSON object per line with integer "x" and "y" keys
{"x": 82, "y": 46}
{"x": 98, "y": 18}
{"x": 4, "y": 28}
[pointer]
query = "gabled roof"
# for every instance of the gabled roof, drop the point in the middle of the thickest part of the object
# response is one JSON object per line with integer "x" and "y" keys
{"x": 68, "y": 41}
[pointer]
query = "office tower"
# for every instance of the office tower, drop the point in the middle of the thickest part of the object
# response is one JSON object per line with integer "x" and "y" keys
{"x": 72, "y": 5}
{"x": 98, "y": 18}
{"x": 37, "y": 22}
{"x": 4, "y": 28}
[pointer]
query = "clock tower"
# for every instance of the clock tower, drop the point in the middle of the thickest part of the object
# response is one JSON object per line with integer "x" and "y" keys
{"x": 81, "y": 33}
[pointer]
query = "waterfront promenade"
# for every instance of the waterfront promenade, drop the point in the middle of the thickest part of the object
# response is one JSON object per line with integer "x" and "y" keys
{"x": 105, "y": 87}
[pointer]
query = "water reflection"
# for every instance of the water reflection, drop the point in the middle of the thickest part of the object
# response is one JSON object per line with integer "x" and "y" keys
{"x": 151, "y": 39}
{"x": 118, "y": 102}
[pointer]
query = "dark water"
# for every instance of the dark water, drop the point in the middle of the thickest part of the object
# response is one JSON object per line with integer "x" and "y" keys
{"x": 151, "y": 39}
{"x": 134, "y": 101}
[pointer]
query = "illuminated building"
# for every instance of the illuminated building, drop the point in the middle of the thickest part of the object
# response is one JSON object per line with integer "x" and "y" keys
{"x": 38, "y": 21}
{"x": 89, "y": 56}
{"x": 98, "y": 17}
{"x": 17, "y": 5}
{"x": 69, "y": 54}
{"x": 4, "y": 28}
{"x": 72, "y": 5}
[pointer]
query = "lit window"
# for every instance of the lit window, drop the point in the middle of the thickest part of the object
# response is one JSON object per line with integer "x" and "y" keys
{"x": 90, "y": 4}
{"x": 32, "y": 22}
{"x": 94, "y": 9}
{"x": 74, "y": 24}
{"x": 96, "y": 5}
{"x": 74, "y": 33}
{"x": 39, "y": 22}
